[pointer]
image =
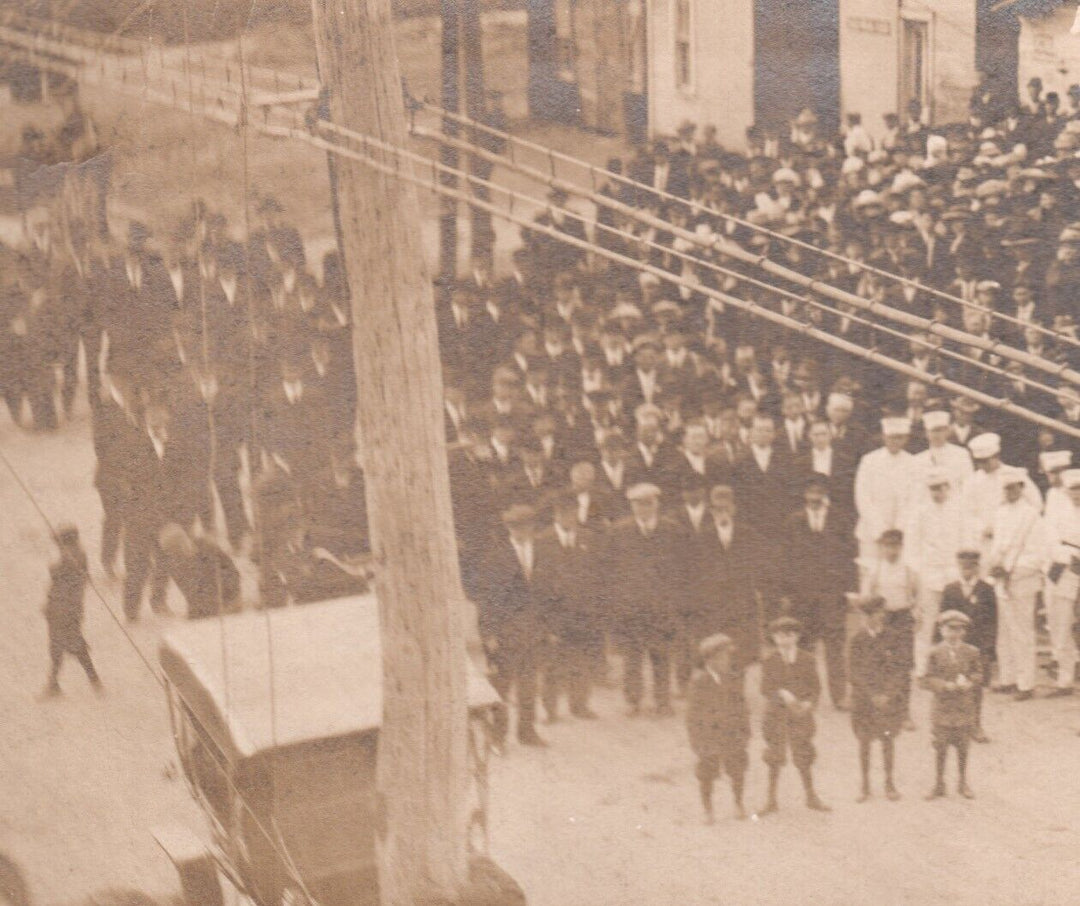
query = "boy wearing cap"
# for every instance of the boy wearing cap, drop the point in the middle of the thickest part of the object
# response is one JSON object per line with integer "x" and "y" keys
{"x": 954, "y": 672}
{"x": 879, "y": 676}
{"x": 790, "y": 685}
{"x": 893, "y": 580}
{"x": 974, "y": 597}
{"x": 64, "y": 610}
{"x": 718, "y": 723}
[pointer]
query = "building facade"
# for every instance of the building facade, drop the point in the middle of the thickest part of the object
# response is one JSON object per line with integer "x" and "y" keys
{"x": 736, "y": 63}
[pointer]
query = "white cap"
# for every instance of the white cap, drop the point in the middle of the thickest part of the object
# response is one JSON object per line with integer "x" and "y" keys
{"x": 1055, "y": 460}
{"x": 851, "y": 165}
{"x": 647, "y": 411}
{"x": 1010, "y": 475}
{"x": 935, "y": 144}
{"x": 895, "y": 425}
{"x": 935, "y": 419}
{"x": 985, "y": 445}
{"x": 786, "y": 174}
{"x": 1071, "y": 478}
{"x": 642, "y": 491}
{"x": 937, "y": 477}
{"x": 866, "y": 197}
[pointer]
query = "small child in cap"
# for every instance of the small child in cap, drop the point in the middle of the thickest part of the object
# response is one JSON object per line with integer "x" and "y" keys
{"x": 718, "y": 723}
{"x": 954, "y": 673}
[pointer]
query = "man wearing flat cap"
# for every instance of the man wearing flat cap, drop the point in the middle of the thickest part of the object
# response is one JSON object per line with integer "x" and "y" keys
{"x": 953, "y": 674}
{"x": 790, "y": 686}
{"x": 718, "y": 722}
{"x": 510, "y": 620}
{"x": 644, "y": 593}
{"x": 64, "y": 609}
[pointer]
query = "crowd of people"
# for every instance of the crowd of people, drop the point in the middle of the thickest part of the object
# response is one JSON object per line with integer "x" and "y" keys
{"x": 635, "y": 467}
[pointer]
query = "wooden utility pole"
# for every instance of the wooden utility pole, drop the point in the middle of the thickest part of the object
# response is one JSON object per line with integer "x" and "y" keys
{"x": 422, "y": 777}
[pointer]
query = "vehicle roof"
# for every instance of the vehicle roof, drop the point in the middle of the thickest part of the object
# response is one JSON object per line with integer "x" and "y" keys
{"x": 326, "y": 675}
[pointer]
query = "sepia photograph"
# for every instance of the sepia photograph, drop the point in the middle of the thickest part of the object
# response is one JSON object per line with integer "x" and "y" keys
{"x": 539, "y": 452}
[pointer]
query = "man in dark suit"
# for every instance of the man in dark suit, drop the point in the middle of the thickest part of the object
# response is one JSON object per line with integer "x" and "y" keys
{"x": 819, "y": 557}
{"x": 462, "y": 342}
{"x": 566, "y": 585}
{"x": 596, "y": 508}
{"x": 511, "y": 627}
{"x": 790, "y": 686}
{"x": 696, "y": 459}
{"x": 977, "y": 599}
{"x": 642, "y": 565}
{"x": 652, "y": 459}
{"x": 763, "y": 479}
{"x": 823, "y": 459}
{"x": 727, "y": 584}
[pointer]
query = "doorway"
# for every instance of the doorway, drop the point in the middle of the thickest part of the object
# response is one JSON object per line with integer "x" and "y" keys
{"x": 915, "y": 64}
{"x": 796, "y": 62}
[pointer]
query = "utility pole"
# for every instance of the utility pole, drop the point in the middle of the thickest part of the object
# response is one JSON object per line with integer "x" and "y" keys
{"x": 422, "y": 778}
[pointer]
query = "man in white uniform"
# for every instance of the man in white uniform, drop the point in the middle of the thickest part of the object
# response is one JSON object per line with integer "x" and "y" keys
{"x": 941, "y": 455}
{"x": 1053, "y": 464}
{"x": 1018, "y": 556}
{"x": 982, "y": 494}
{"x": 933, "y": 537}
{"x": 884, "y": 487}
{"x": 1063, "y": 581}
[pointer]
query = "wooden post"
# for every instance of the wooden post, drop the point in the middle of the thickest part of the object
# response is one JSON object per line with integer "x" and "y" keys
{"x": 448, "y": 155}
{"x": 422, "y": 777}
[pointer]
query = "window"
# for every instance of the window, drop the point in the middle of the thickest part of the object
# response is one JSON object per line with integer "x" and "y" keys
{"x": 684, "y": 48}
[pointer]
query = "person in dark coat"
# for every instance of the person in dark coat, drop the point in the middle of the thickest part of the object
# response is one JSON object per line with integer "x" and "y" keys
{"x": 790, "y": 685}
{"x": 566, "y": 561}
{"x": 718, "y": 723}
{"x": 644, "y": 595}
{"x": 954, "y": 673}
{"x": 204, "y": 573}
{"x": 725, "y": 595}
{"x": 510, "y": 626}
{"x": 64, "y": 609}
{"x": 878, "y": 677}
{"x": 819, "y": 569}
{"x": 977, "y": 599}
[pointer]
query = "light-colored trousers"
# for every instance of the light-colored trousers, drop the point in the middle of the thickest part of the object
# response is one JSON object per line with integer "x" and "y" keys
{"x": 1060, "y": 616}
{"x": 1016, "y": 629}
{"x": 930, "y": 606}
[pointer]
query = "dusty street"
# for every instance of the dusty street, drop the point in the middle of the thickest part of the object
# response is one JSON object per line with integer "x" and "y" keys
{"x": 607, "y": 815}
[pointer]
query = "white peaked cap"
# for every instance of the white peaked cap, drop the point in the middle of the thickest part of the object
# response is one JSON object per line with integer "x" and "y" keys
{"x": 985, "y": 445}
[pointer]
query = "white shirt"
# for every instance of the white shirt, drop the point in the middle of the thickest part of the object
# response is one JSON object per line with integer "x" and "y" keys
{"x": 896, "y": 582}
{"x": 981, "y": 498}
{"x": 953, "y": 460}
{"x": 762, "y": 456}
{"x": 647, "y": 380}
{"x": 583, "y": 501}
{"x": 725, "y": 531}
{"x": 614, "y": 473}
{"x": 566, "y": 539}
{"x": 696, "y": 460}
{"x": 884, "y": 485}
{"x": 524, "y": 551}
{"x": 294, "y": 390}
{"x": 933, "y": 536}
{"x": 696, "y": 514}
{"x": 1020, "y": 539}
{"x": 821, "y": 460}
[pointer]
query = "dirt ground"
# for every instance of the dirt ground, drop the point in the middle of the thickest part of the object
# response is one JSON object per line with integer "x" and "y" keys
{"x": 608, "y": 816}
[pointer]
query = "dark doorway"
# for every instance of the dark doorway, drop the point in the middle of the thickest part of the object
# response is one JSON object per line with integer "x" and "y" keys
{"x": 796, "y": 61}
{"x": 997, "y": 48}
